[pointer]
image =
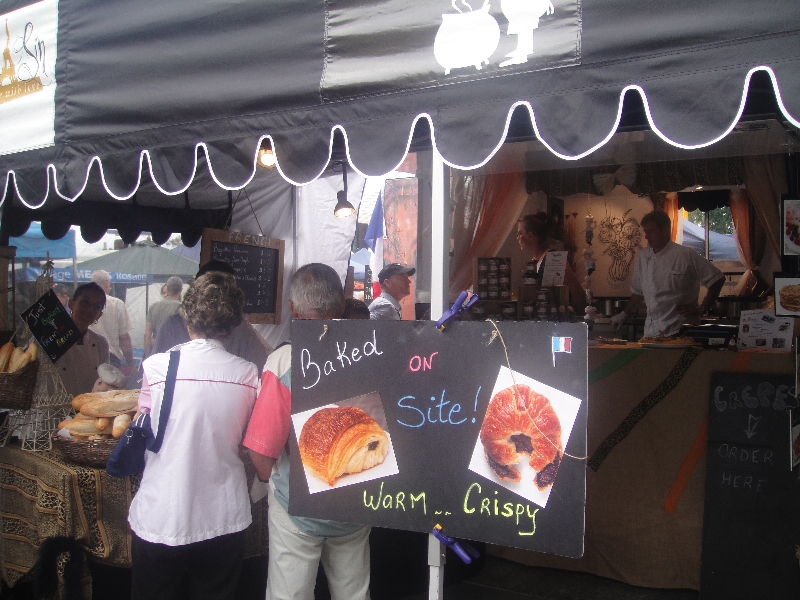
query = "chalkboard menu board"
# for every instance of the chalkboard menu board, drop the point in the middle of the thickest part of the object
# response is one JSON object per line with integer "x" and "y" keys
{"x": 51, "y": 325}
{"x": 752, "y": 517}
{"x": 447, "y": 440}
{"x": 258, "y": 262}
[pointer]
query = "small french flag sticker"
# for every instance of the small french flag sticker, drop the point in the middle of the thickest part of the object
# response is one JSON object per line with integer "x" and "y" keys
{"x": 561, "y": 344}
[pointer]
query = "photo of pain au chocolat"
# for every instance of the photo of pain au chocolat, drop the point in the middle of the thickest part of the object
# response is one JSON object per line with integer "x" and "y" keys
{"x": 521, "y": 422}
{"x": 341, "y": 440}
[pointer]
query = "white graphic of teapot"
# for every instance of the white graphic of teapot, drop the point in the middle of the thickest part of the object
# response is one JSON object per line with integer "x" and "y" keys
{"x": 466, "y": 39}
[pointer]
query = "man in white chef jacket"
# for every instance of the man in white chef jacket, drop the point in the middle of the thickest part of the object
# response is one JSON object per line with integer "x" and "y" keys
{"x": 667, "y": 279}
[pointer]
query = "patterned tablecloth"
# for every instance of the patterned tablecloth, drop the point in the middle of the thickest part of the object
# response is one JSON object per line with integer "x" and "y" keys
{"x": 645, "y": 475}
{"x": 43, "y": 494}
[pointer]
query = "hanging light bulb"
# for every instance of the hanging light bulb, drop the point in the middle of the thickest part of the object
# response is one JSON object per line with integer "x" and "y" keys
{"x": 266, "y": 156}
{"x": 343, "y": 207}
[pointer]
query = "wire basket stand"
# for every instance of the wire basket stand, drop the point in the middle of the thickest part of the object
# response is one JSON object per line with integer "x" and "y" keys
{"x": 51, "y": 402}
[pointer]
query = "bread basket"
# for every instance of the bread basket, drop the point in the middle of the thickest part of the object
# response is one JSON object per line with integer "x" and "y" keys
{"x": 16, "y": 389}
{"x": 89, "y": 453}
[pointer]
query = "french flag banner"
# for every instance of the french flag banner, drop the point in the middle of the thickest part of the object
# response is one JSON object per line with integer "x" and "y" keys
{"x": 561, "y": 344}
{"x": 373, "y": 238}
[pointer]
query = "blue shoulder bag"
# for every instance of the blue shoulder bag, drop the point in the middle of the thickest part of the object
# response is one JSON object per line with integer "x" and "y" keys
{"x": 127, "y": 458}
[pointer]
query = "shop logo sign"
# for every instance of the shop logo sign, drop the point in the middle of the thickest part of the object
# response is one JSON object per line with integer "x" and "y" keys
{"x": 24, "y": 75}
{"x": 468, "y": 38}
{"x": 27, "y": 77}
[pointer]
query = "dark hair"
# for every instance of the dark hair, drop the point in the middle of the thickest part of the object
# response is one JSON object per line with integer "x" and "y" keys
{"x": 658, "y": 218}
{"x": 540, "y": 225}
{"x": 316, "y": 292}
{"x": 355, "y": 309}
{"x": 213, "y": 305}
{"x": 89, "y": 288}
{"x": 217, "y": 266}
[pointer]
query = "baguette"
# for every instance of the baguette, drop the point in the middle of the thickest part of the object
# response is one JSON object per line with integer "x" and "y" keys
{"x": 33, "y": 350}
{"x": 80, "y": 427}
{"x": 15, "y": 354}
{"x": 121, "y": 424}
{"x": 103, "y": 424}
{"x": 111, "y": 404}
{"x": 21, "y": 360}
{"x": 5, "y": 356}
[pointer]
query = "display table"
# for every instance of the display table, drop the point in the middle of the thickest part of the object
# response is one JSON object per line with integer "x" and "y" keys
{"x": 45, "y": 495}
{"x": 645, "y": 478}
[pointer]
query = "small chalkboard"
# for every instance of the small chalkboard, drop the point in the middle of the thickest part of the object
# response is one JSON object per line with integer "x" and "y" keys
{"x": 51, "y": 325}
{"x": 430, "y": 392}
{"x": 752, "y": 524}
{"x": 258, "y": 262}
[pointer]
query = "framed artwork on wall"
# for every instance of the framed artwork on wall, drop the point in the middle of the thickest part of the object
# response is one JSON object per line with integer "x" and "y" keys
{"x": 787, "y": 295}
{"x": 790, "y": 227}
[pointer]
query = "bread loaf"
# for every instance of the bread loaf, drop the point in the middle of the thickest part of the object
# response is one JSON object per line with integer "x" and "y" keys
{"x": 80, "y": 427}
{"x": 19, "y": 361}
{"x": 15, "y": 354}
{"x": 33, "y": 350}
{"x": 110, "y": 404}
{"x": 120, "y": 425}
{"x": 82, "y": 399}
{"x": 103, "y": 424}
{"x": 5, "y": 356}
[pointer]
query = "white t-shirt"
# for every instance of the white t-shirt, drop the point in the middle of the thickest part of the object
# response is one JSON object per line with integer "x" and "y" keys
{"x": 195, "y": 488}
{"x": 668, "y": 279}
{"x": 113, "y": 323}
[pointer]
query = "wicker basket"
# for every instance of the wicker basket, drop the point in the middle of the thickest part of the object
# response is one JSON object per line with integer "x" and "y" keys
{"x": 89, "y": 453}
{"x": 16, "y": 389}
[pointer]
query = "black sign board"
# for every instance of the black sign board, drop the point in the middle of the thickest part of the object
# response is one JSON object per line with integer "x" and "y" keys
{"x": 752, "y": 523}
{"x": 430, "y": 392}
{"x": 51, "y": 325}
{"x": 258, "y": 262}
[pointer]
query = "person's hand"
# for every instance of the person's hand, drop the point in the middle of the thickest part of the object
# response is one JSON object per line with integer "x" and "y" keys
{"x": 126, "y": 369}
{"x": 688, "y": 310}
{"x": 618, "y": 320}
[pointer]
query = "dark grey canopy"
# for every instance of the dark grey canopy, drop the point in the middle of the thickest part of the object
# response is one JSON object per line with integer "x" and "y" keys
{"x": 159, "y": 92}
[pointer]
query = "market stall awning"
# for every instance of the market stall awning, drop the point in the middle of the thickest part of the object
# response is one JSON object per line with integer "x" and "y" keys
{"x": 111, "y": 99}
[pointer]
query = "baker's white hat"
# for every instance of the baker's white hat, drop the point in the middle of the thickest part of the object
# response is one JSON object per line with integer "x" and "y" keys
{"x": 112, "y": 375}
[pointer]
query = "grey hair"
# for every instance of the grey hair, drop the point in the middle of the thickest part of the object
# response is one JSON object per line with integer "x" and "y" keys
{"x": 174, "y": 285}
{"x": 316, "y": 292}
{"x": 100, "y": 276}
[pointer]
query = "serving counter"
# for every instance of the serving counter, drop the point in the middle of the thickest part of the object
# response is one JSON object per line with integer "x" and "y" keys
{"x": 645, "y": 475}
{"x": 43, "y": 494}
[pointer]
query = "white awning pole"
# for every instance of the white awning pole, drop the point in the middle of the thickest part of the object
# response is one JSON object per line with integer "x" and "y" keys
{"x": 440, "y": 236}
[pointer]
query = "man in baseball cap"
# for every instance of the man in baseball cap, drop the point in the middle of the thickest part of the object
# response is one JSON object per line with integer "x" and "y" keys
{"x": 395, "y": 280}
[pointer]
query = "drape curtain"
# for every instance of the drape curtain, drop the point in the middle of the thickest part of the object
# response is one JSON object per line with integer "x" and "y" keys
{"x": 740, "y": 213}
{"x": 673, "y": 211}
{"x": 486, "y": 209}
{"x": 765, "y": 180}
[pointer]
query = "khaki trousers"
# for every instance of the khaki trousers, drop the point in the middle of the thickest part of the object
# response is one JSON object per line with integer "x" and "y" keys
{"x": 294, "y": 558}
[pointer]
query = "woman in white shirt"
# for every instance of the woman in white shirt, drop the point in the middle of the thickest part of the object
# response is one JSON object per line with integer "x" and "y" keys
{"x": 192, "y": 507}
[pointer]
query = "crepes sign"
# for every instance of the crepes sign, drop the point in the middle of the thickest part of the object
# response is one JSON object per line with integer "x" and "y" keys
{"x": 477, "y": 428}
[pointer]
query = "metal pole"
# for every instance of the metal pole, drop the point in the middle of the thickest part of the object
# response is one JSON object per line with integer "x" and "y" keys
{"x": 436, "y": 560}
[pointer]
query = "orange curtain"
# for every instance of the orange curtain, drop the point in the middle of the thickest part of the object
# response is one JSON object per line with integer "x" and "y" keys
{"x": 502, "y": 199}
{"x": 740, "y": 213}
{"x": 671, "y": 208}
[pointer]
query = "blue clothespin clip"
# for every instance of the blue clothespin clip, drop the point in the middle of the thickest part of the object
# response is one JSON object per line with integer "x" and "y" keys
{"x": 464, "y": 551}
{"x": 459, "y": 306}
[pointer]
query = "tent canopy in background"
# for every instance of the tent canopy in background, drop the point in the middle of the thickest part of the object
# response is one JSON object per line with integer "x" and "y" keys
{"x": 33, "y": 244}
{"x": 143, "y": 257}
{"x": 147, "y": 98}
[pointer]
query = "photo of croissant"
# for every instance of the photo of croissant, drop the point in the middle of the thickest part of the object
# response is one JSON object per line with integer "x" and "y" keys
{"x": 345, "y": 443}
{"x": 523, "y": 437}
{"x": 340, "y": 440}
{"x": 521, "y": 422}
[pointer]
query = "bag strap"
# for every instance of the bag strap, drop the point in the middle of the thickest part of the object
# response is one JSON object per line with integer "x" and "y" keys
{"x": 166, "y": 402}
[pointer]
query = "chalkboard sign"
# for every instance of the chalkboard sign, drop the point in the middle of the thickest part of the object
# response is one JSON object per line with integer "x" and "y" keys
{"x": 752, "y": 522}
{"x": 258, "y": 262}
{"x": 51, "y": 325}
{"x": 447, "y": 436}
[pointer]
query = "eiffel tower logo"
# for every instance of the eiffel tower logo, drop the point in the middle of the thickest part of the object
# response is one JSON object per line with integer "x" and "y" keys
{"x": 11, "y": 87}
